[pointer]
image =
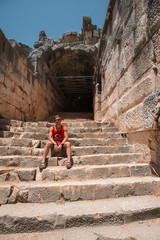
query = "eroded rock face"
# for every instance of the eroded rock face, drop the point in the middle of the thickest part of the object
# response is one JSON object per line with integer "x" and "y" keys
{"x": 151, "y": 114}
{"x": 151, "y": 110}
{"x": 43, "y": 39}
{"x": 89, "y": 36}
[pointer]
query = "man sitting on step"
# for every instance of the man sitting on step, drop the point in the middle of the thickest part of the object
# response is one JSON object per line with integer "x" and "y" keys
{"x": 58, "y": 138}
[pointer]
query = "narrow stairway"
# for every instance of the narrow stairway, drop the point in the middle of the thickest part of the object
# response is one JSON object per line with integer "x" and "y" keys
{"x": 108, "y": 184}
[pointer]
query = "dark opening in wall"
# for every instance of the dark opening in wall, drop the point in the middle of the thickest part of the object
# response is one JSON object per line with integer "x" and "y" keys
{"x": 72, "y": 70}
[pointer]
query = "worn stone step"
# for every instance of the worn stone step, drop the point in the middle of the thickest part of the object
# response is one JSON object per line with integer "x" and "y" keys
{"x": 20, "y": 142}
{"x": 29, "y": 129}
{"x": 76, "y": 142}
{"x": 70, "y": 129}
{"x": 17, "y": 174}
{"x": 6, "y": 134}
{"x": 24, "y": 161}
{"x": 91, "y": 142}
{"x": 68, "y": 215}
{"x": 76, "y": 173}
{"x": 91, "y": 130}
{"x": 97, "y": 159}
{"x": 4, "y": 127}
{"x": 88, "y": 150}
{"x": 90, "y": 124}
{"x": 103, "y": 159}
{"x": 76, "y": 151}
{"x": 11, "y": 122}
{"x": 49, "y": 191}
{"x": 96, "y": 172}
{"x": 99, "y": 135}
{"x": 7, "y": 150}
{"x": 31, "y": 135}
{"x": 140, "y": 229}
{"x": 73, "y": 116}
{"x": 44, "y": 136}
{"x": 98, "y": 142}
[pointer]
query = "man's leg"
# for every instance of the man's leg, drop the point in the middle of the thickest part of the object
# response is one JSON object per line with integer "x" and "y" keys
{"x": 45, "y": 153}
{"x": 67, "y": 145}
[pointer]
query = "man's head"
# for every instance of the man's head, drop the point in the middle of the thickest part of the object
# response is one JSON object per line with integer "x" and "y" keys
{"x": 57, "y": 119}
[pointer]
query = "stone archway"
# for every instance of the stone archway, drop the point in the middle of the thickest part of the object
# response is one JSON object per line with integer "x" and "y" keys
{"x": 69, "y": 64}
{"x": 72, "y": 69}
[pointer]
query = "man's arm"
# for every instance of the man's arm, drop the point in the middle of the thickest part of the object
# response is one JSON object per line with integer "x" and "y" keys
{"x": 50, "y": 135}
{"x": 65, "y": 135}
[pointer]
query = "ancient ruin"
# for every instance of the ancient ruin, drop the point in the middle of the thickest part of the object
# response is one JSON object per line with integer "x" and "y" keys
{"x": 105, "y": 83}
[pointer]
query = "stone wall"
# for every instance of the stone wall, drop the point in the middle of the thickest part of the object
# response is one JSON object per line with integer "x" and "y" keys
{"x": 23, "y": 95}
{"x": 129, "y": 62}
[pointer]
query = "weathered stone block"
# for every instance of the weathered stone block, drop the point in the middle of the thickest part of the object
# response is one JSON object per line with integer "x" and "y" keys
{"x": 134, "y": 117}
{"x": 26, "y": 174}
{"x": 151, "y": 109}
{"x": 124, "y": 84}
{"x": 110, "y": 100}
{"x": 156, "y": 44}
{"x": 4, "y": 194}
{"x": 12, "y": 176}
{"x": 137, "y": 93}
{"x": 139, "y": 65}
{"x": 153, "y": 13}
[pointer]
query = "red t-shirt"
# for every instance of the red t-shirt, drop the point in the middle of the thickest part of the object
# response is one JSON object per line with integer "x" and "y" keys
{"x": 58, "y": 136}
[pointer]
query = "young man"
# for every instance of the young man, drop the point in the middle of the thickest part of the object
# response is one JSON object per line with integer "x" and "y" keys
{"x": 58, "y": 138}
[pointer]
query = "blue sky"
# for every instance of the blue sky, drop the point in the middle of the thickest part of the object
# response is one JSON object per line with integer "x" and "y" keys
{"x": 23, "y": 19}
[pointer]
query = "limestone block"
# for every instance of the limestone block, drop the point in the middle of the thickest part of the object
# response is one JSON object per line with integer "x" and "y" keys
{"x": 13, "y": 161}
{"x": 151, "y": 109}
{"x": 128, "y": 48}
{"x": 140, "y": 7}
{"x": 19, "y": 194}
{"x": 141, "y": 143}
{"x": 26, "y": 175}
{"x": 3, "y": 151}
{"x": 124, "y": 84}
{"x": 137, "y": 93}
{"x": 110, "y": 100}
{"x": 11, "y": 97}
{"x": 124, "y": 9}
{"x": 127, "y": 30}
{"x": 153, "y": 13}
{"x": 139, "y": 31}
{"x": 3, "y": 177}
{"x": 158, "y": 78}
{"x": 122, "y": 126}
{"x": 12, "y": 176}
{"x": 111, "y": 80}
{"x": 19, "y": 91}
{"x": 134, "y": 117}
{"x": 19, "y": 151}
{"x": 139, "y": 65}
{"x": 4, "y": 193}
{"x": 5, "y": 141}
{"x": 111, "y": 113}
{"x": 37, "y": 152}
{"x": 43, "y": 194}
{"x": 156, "y": 44}
{"x": 2, "y": 76}
{"x": 21, "y": 142}
{"x": 22, "y": 196}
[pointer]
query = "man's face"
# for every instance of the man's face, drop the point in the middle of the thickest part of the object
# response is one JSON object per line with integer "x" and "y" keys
{"x": 58, "y": 121}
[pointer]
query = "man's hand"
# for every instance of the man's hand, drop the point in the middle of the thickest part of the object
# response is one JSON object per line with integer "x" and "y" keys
{"x": 57, "y": 148}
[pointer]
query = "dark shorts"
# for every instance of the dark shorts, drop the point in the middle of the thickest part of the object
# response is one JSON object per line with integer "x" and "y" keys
{"x": 58, "y": 143}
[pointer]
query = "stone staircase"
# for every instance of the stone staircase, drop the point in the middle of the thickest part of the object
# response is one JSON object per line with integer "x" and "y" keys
{"x": 109, "y": 184}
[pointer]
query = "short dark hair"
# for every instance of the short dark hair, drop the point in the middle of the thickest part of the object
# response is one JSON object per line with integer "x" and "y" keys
{"x": 56, "y": 116}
